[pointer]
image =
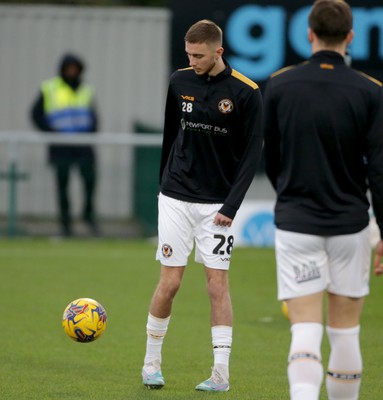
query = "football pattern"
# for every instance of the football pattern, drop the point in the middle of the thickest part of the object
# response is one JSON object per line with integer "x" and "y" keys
{"x": 84, "y": 320}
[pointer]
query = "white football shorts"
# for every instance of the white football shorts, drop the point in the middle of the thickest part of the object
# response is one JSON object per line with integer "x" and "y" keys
{"x": 308, "y": 264}
{"x": 181, "y": 224}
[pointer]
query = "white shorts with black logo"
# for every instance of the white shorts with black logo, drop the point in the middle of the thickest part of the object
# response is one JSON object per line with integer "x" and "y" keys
{"x": 181, "y": 224}
{"x": 308, "y": 264}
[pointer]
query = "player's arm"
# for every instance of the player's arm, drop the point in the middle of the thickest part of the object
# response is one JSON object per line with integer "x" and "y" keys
{"x": 222, "y": 220}
{"x": 271, "y": 137}
{"x": 171, "y": 126}
{"x": 252, "y": 114}
{"x": 378, "y": 266}
{"x": 375, "y": 173}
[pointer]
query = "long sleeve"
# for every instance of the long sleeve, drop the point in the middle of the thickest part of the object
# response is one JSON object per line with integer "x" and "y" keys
{"x": 253, "y": 141}
{"x": 375, "y": 160}
{"x": 171, "y": 126}
{"x": 271, "y": 137}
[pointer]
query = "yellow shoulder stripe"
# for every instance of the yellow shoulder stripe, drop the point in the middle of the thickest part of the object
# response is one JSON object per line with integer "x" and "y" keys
{"x": 371, "y": 78}
{"x": 244, "y": 79}
{"x": 185, "y": 69}
{"x": 282, "y": 70}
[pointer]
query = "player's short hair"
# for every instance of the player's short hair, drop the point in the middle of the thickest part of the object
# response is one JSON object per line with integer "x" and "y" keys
{"x": 331, "y": 20}
{"x": 204, "y": 31}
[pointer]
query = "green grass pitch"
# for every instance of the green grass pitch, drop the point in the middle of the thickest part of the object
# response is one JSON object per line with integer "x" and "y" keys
{"x": 38, "y": 278}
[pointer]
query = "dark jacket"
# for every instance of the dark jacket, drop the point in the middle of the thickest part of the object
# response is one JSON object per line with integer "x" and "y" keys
{"x": 324, "y": 145}
{"x": 212, "y": 138}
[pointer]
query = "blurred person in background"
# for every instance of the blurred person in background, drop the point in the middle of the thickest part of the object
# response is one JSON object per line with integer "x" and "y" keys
{"x": 65, "y": 106}
{"x": 323, "y": 150}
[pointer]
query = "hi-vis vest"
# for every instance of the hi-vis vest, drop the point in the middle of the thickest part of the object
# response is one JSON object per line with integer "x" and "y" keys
{"x": 67, "y": 110}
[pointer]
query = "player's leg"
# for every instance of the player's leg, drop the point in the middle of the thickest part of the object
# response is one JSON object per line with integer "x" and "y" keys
{"x": 167, "y": 288}
{"x": 221, "y": 329}
{"x": 305, "y": 371}
{"x": 214, "y": 245}
{"x": 158, "y": 322}
{"x": 350, "y": 257}
{"x": 302, "y": 277}
{"x": 175, "y": 243}
{"x": 344, "y": 371}
{"x": 221, "y": 320}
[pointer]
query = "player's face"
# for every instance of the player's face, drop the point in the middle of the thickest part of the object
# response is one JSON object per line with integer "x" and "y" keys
{"x": 202, "y": 57}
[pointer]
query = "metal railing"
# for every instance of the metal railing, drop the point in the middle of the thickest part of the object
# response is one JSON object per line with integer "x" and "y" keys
{"x": 13, "y": 139}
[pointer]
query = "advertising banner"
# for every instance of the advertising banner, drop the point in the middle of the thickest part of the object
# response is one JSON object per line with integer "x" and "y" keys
{"x": 254, "y": 224}
{"x": 264, "y": 36}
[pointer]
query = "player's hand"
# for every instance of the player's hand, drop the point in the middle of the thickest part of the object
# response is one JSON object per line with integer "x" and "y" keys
{"x": 221, "y": 220}
{"x": 378, "y": 265}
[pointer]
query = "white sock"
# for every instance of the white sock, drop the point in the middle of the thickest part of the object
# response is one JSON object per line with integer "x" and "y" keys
{"x": 222, "y": 337}
{"x": 156, "y": 329}
{"x": 305, "y": 370}
{"x": 345, "y": 364}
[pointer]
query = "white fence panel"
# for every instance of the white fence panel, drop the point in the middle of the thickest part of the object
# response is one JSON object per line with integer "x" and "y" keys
{"x": 36, "y": 195}
{"x": 126, "y": 51}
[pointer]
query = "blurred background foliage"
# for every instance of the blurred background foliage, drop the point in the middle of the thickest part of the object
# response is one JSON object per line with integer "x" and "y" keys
{"x": 143, "y": 3}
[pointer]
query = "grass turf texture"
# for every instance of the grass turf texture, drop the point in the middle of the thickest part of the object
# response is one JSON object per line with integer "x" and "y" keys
{"x": 38, "y": 278}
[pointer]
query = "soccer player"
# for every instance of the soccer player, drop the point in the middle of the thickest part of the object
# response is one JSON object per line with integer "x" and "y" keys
{"x": 323, "y": 149}
{"x": 212, "y": 143}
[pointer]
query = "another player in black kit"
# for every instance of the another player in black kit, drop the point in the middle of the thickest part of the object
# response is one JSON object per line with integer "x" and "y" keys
{"x": 323, "y": 147}
{"x": 211, "y": 146}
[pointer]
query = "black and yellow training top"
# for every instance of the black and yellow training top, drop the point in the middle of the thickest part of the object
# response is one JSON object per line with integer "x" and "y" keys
{"x": 324, "y": 146}
{"x": 212, "y": 138}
